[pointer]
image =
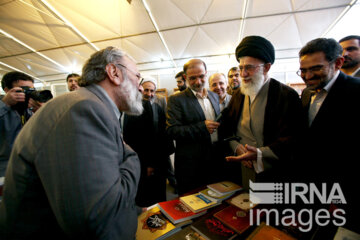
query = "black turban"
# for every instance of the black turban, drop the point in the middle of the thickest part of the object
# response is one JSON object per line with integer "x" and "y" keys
{"x": 257, "y": 47}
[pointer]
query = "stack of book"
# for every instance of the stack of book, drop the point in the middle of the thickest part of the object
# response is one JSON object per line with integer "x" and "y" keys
{"x": 177, "y": 212}
{"x": 224, "y": 188}
{"x": 153, "y": 225}
{"x": 197, "y": 202}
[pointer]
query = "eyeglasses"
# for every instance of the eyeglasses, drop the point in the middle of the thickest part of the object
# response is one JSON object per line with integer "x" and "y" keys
{"x": 312, "y": 70}
{"x": 138, "y": 75}
{"x": 249, "y": 68}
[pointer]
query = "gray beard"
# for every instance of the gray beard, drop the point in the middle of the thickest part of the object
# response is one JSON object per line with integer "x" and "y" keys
{"x": 254, "y": 86}
{"x": 134, "y": 98}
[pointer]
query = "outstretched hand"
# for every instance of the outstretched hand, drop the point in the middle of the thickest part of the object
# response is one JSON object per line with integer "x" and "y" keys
{"x": 247, "y": 156}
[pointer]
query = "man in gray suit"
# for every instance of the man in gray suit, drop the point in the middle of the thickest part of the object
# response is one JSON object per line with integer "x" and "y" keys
{"x": 218, "y": 85}
{"x": 351, "y": 54}
{"x": 191, "y": 122}
{"x": 70, "y": 175}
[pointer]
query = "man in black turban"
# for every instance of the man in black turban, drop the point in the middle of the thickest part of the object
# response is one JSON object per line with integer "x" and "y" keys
{"x": 264, "y": 114}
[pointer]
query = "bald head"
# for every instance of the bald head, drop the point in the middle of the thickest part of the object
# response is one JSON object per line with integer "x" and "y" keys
{"x": 218, "y": 84}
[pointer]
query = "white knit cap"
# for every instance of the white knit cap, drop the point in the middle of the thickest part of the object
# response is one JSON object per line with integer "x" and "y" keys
{"x": 149, "y": 79}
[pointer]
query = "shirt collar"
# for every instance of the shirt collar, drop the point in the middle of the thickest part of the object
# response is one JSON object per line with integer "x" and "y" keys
{"x": 332, "y": 81}
{"x": 354, "y": 73}
{"x": 198, "y": 95}
{"x": 113, "y": 105}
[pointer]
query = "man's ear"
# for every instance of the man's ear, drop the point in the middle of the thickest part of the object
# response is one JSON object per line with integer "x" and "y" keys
{"x": 6, "y": 89}
{"x": 267, "y": 67}
{"x": 114, "y": 74}
{"x": 339, "y": 62}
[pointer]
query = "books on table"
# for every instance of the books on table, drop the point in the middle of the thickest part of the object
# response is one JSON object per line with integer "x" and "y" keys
{"x": 235, "y": 218}
{"x": 177, "y": 212}
{"x": 153, "y": 225}
{"x": 224, "y": 188}
{"x": 197, "y": 202}
{"x": 214, "y": 196}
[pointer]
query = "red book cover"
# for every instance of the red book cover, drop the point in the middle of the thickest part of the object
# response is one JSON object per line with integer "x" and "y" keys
{"x": 177, "y": 212}
{"x": 212, "y": 229}
{"x": 235, "y": 218}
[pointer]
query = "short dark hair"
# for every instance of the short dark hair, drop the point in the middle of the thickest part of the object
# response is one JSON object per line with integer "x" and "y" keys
{"x": 350, "y": 37}
{"x": 180, "y": 74}
{"x": 11, "y": 77}
{"x": 72, "y": 75}
{"x": 233, "y": 69}
{"x": 331, "y": 48}
{"x": 186, "y": 65}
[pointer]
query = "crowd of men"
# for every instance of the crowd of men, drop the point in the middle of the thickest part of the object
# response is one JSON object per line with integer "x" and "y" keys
{"x": 85, "y": 162}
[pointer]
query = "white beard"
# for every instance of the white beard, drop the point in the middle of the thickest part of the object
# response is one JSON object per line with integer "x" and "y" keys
{"x": 133, "y": 98}
{"x": 254, "y": 86}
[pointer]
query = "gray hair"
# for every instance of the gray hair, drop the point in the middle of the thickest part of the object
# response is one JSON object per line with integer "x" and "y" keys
{"x": 94, "y": 69}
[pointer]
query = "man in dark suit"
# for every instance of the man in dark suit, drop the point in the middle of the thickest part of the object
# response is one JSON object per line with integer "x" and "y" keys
{"x": 70, "y": 175}
{"x": 264, "y": 114}
{"x": 146, "y": 134}
{"x": 351, "y": 54}
{"x": 331, "y": 99}
{"x": 191, "y": 123}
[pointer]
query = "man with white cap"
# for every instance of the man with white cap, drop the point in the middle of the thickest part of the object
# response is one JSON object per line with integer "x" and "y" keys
{"x": 149, "y": 84}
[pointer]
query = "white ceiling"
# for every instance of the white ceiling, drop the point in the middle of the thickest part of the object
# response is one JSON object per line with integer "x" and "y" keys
{"x": 50, "y": 38}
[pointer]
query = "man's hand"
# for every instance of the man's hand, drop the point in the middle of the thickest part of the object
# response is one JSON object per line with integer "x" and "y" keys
{"x": 211, "y": 125}
{"x": 246, "y": 158}
{"x": 13, "y": 96}
{"x": 34, "y": 105}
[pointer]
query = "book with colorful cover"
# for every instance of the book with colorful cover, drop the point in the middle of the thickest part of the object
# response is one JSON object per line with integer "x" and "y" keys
{"x": 214, "y": 196}
{"x": 153, "y": 225}
{"x": 266, "y": 232}
{"x": 186, "y": 234}
{"x": 197, "y": 202}
{"x": 212, "y": 228}
{"x": 225, "y": 187}
{"x": 235, "y": 218}
{"x": 177, "y": 212}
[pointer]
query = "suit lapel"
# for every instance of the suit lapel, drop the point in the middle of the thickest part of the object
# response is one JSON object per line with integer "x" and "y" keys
{"x": 331, "y": 99}
{"x": 214, "y": 103}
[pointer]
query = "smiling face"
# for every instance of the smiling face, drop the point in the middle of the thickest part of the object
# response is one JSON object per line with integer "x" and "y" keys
{"x": 252, "y": 73}
{"x": 218, "y": 84}
{"x": 196, "y": 75}
{"x": 316, "y": 70}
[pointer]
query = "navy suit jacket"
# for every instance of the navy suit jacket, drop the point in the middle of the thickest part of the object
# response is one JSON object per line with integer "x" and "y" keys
{"x": 186, "y": 125}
